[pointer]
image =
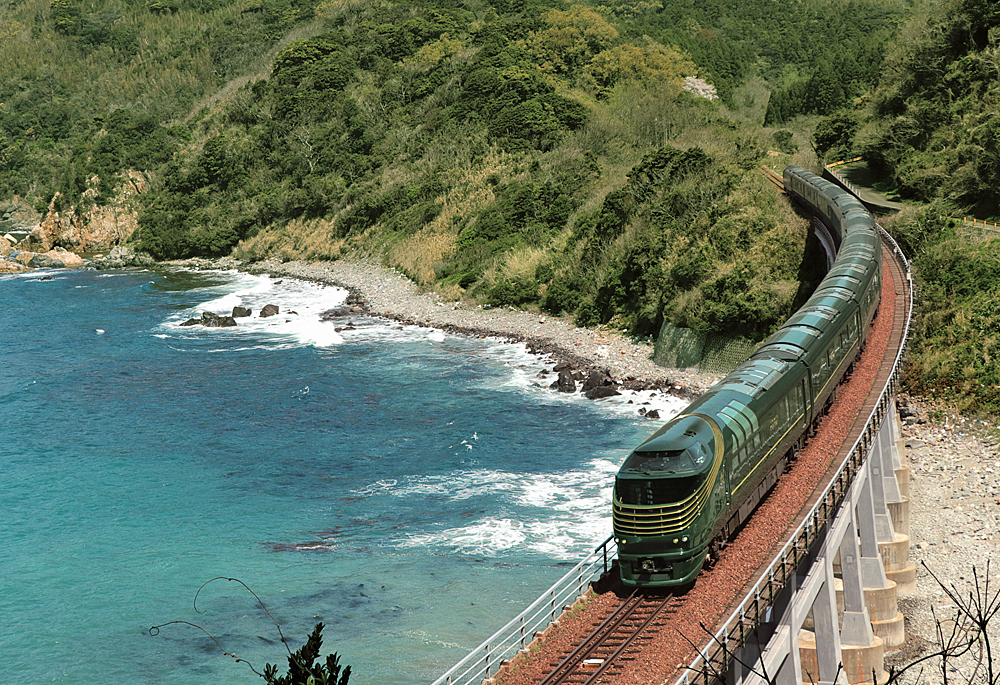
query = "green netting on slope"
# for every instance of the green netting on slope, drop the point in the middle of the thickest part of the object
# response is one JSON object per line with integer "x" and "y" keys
{"x": 682, "y": 348}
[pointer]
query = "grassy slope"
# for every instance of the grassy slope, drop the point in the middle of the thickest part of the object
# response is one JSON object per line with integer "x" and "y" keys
{"x": 929, "y": 131}
{"x": 507, "y": 151}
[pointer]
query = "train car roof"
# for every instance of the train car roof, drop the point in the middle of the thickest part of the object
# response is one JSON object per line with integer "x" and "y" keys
{"x": 677, "y": 434}
{"x": 858, "y": 247}
{"x": 801, "y": 336}
{"x": 779, "y": 350}
{"x": 754, "y": 376}
{"x": 827, "y": 294}
{"x": 815, "y": 314}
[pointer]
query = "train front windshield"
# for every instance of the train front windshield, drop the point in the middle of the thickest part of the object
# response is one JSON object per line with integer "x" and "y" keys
{"x": 672, "y": 476}
{"x": 692, "y": 458}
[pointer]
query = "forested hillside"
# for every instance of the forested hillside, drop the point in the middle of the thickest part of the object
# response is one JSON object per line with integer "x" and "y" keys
{"x": 930, "y": 133}
{"x": 528, "y": 152}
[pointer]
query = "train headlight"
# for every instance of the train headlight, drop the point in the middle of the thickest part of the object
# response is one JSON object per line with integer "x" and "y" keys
{"x": 676, "y": 541}
{"x": 684, "y": 539}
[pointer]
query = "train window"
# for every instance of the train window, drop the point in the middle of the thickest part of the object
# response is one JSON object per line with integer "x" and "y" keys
{"x": 671, "y": 460}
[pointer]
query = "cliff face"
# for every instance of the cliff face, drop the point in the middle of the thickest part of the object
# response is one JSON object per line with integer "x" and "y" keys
{"x": 98, "y": 228}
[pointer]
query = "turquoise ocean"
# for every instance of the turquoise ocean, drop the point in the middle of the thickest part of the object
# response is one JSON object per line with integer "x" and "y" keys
{"x": 411, "y": 489}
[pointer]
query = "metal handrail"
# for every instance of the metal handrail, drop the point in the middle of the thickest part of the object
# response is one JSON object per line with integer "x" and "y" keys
{"x": 515, "y": 637}
{"x": 730, "y": 637}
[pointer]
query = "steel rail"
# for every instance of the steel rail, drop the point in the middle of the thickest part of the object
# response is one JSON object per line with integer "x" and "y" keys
{"x": 610, "y": 632}
{"x": 748, "y": 616}
{"x": 596, "y": 638}
{"x": 612, "y": 659}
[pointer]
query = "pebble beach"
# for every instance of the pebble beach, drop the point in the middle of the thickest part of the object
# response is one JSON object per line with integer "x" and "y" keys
{"x": 387, "y": 293}
{"x": 954, "y": 531}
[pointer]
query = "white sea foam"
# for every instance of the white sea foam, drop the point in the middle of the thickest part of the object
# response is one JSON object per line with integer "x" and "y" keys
{"x": 298, "y": 322}
{"x": 425, "y": 638}
{"x": 559, "y": 515}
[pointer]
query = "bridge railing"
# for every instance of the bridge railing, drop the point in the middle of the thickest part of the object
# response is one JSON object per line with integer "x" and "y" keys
{"x": 484, "y": 661}
{"x": 755, "y": 609}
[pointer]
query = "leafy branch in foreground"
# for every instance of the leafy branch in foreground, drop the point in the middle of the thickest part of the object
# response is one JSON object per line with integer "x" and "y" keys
{"x": 302, "y": 666}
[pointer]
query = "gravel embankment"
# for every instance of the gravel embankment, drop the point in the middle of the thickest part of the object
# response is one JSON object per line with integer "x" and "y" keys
{"x": 954, "y": 527}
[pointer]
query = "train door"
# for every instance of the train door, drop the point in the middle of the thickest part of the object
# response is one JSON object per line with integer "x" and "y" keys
{"x": 809, "y": 402}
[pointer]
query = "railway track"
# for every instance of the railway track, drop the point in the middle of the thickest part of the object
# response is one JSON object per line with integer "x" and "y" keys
{"x": 601, "y": 656}
{"x": 774, "y": 177}
{"x": 649, "y": 638}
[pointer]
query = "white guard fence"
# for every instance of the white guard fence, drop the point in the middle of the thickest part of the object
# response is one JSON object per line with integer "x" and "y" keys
{"x": 515, "y": 637}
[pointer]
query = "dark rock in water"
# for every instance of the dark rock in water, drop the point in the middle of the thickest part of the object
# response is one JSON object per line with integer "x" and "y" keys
{"x": 210, "y": 320}
{"x": 269, "y": 310}
{"x": 654, "y": 414}
{"x": 566, "y": 382}
{"x": 45, "y": 278}
{"x": 602, "y": 391}
{"x": 335, "y": 313}
{"x": 239, "y": 312}
{"x": 596, "y": 379}
{"x": 642, "y": 411}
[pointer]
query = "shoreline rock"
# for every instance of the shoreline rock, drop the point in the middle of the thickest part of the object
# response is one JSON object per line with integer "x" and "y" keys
{"x": 382, "y": 292}
{"x": 378, "y": 291}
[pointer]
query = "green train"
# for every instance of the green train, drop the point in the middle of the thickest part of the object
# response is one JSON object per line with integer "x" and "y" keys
{"x": 682, "y": 493}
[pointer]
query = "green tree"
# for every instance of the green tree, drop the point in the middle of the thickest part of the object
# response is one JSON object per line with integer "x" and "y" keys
{"x": 571, "y": 39}
{"x": 303, "y": 669}
{"x": 640, "y": 64}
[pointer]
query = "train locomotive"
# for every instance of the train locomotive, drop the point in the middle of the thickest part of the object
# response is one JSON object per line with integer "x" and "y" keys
{"x": 682, "y": 493}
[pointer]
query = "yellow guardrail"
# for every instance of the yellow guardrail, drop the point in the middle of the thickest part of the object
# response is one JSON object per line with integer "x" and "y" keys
{"x": 843, "y": 161}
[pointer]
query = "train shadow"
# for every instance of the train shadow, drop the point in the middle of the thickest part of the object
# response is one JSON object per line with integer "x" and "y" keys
{"x": 611, "y": 581}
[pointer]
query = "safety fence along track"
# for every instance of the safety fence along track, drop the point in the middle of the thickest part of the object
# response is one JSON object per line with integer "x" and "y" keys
{"x": 484, "y": 661}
